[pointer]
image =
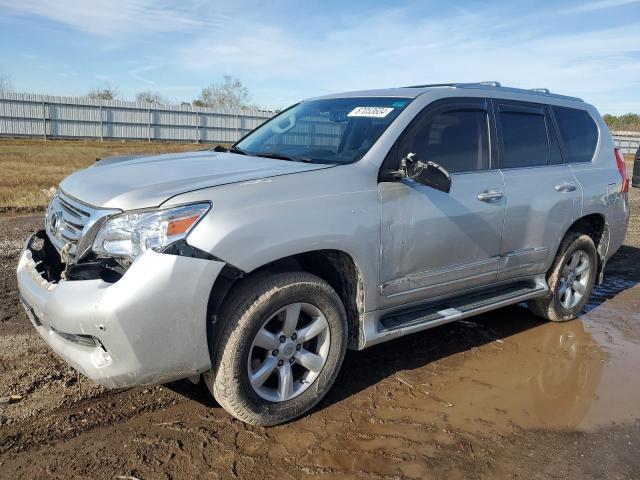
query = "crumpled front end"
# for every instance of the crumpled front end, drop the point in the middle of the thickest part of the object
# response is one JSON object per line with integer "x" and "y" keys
{"x": 143, "y": 327}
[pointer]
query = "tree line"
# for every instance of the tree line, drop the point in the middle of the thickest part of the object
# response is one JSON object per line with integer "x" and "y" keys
{"x": 230, "y": 93}
{"x": 628, "y": 122}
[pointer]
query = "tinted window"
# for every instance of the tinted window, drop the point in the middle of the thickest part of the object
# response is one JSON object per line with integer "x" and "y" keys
{"x": 579, "y": 133}
{"x": 457, "y": 139}
{"x": 524, "y": 140}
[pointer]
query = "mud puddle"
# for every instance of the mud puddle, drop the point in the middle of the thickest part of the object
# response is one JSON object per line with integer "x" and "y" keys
{"x": 578, "y": 375}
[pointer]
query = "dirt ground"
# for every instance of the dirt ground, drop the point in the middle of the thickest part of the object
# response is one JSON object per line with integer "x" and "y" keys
{"x": 502, "y": 395}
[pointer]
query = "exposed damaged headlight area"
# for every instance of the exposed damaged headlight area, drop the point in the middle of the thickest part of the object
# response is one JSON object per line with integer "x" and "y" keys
{"x": 49, "y": 263}
{"x": 128, "y": 235}
{"x": 81, "y": 242}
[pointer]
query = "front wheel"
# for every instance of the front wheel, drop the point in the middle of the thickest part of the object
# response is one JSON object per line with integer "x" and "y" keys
{"x": 571, "y": 279}
{"x": 283, "y": 341}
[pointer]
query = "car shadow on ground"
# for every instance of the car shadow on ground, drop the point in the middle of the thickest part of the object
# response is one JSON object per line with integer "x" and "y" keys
{"x": 362, "y": 369}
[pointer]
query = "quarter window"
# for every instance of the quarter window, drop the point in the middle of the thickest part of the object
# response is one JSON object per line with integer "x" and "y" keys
{"x": 524, "y": 139}
{"x": 456, "y": 139}
{"x": 578, "y": 132}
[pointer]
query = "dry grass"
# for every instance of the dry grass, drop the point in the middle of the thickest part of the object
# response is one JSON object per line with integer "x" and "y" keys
{"x": 30, "y": 168}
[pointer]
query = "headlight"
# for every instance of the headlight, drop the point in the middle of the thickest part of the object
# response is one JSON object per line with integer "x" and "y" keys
{"x": 128, "y": 235}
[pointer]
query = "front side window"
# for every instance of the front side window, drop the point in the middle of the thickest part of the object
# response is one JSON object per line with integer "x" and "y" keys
{"x": 524, "y": 139}
{"x": 456, "y": 138}
{"x": 336, "y": 130}
{"x": 579, "y": 133}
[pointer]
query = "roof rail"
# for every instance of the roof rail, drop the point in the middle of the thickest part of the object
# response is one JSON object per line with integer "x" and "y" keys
{"x": 427, "y": 85}
{"x": 494, "y": 84}
{"x": 490, "y": 83}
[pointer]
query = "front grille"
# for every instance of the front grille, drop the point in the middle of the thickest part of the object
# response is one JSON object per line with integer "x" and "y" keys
{"x": 71, "y": 225}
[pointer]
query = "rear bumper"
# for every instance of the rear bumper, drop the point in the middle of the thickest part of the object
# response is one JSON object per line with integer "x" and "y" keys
{"x": 148, "y": 327}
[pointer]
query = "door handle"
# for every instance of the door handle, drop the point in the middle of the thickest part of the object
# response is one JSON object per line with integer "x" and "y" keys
{"x": 565, "y": 187}
{"x": 490, "y": 195}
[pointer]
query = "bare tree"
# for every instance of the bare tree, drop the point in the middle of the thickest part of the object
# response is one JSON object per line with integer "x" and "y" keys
{"x": 5, "y": 83}
{"x": 104, "y": 92}
{"x": 228, "y": 94}
{"x": 150, "y": 97}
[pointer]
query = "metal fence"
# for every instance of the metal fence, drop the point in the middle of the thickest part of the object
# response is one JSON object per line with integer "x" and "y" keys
{"x": 43, "y": 116}
{"x": 29, "y": 115}
{"x": 627, "y": 142}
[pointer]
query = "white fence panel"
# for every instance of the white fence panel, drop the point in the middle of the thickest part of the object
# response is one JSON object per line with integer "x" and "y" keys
{"x": 627, "y": 142}
{"x": 30, "y": 115}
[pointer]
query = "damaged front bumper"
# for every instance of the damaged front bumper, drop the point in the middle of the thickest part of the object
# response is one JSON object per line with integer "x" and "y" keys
{"x": 147, "y": 327}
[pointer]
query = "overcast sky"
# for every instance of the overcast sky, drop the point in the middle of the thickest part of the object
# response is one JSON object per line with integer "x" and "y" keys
{"x": 288, "y": 50}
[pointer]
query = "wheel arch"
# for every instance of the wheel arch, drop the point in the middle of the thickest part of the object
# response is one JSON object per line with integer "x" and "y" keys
{"x": 595, "y": 226}
{"x": 338, "y": 268}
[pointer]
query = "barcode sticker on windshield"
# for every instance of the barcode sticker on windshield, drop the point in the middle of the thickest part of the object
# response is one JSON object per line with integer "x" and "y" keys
{"x": 377, "y": 112}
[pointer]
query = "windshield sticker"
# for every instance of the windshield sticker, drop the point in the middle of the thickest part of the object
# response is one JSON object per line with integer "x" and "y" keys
{"x": 376, "y": 112}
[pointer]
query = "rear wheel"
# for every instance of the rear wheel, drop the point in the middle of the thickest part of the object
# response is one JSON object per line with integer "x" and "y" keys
{"x": 571, "y": 279}
{"x": 282, "y": 344}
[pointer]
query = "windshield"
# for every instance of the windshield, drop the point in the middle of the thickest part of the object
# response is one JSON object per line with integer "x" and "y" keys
{"x": 336, "y": 130}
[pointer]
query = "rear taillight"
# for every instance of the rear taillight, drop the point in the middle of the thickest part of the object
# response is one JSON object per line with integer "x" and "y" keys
{"x": 622, "y": 168}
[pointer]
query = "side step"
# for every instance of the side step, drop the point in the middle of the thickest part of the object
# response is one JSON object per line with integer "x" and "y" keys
{"x": 452, "y": 309}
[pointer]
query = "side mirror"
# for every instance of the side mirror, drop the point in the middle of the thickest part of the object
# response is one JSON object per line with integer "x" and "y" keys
{"x": 430, "y": 174}
{"x": 435, "y": 176}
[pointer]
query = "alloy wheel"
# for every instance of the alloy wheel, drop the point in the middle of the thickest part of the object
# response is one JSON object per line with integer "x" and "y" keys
{"x": 288, "y": 352}
{"x": 574, "y": 279}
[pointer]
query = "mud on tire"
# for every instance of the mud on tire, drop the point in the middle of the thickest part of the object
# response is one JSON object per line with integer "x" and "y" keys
{"x": 243, "y": 315}
{"x": 555, "y": 306}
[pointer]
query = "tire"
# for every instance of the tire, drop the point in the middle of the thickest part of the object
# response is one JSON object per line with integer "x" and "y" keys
{"x": 558, "y": 306}
{"x": 260, "y": 307}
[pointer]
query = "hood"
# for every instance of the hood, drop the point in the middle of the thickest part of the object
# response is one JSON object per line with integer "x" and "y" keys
{"x": 141, "y": 182}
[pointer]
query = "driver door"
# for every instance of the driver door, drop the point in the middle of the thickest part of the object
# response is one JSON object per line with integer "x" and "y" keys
{"x": 436, "y": 243}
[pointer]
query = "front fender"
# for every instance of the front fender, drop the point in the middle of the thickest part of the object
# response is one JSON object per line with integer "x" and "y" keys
{"x": 255, "y": 223}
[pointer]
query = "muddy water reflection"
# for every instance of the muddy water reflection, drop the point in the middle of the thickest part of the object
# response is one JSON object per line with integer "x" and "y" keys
{"x": 543, "y": 377}
{"x": 574, "y": 375}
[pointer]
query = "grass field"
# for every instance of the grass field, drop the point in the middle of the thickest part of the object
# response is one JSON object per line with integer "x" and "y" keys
{"x": 30, "y": 168}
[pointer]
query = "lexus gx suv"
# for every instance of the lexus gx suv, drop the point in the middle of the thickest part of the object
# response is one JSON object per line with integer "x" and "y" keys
{"x": 342, "y": 222}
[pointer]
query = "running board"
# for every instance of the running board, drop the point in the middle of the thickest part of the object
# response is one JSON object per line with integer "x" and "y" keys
{"x": 450, "y": 310}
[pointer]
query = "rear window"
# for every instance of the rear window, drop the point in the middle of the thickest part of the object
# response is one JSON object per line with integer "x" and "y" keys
{"x": 578, "y": 132}
{"x": 524, "y": 139}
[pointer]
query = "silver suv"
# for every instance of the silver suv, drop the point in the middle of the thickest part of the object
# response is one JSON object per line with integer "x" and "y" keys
{"x": 344, "y": 221}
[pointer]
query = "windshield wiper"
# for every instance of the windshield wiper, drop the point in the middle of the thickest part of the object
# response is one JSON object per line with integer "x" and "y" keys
{"x": 222, "y": 148}
{"x": 237, "y": 150}
{"x": 279, "y": 156}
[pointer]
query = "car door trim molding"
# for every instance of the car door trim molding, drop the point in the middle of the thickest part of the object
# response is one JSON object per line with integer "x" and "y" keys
{"x": 438, "y": 277}
{"x": 509, "y": 262}
{"x": 522, "y": 259}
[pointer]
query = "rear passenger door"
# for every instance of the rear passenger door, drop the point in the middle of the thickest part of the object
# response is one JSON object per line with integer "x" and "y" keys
{"x": 543, "y": 197}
